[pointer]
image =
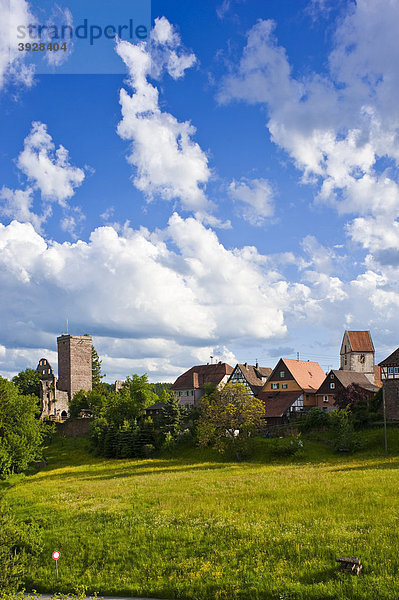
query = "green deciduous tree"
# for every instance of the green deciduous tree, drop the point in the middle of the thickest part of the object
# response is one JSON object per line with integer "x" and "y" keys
{"x": 229, "y": 418}
{"x": 93, "y": 400}
{"x": 136, "y": 395}
{"x": 28, "y": 382}
{"x": 357, "y": 400}
{"x": 21, "y": 433}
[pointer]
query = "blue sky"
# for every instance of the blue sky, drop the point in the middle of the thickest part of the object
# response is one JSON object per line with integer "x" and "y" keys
{"x": 228, "y": 187}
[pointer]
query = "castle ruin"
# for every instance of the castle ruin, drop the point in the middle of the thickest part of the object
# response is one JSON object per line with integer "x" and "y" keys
{"x": 74, "y": 374}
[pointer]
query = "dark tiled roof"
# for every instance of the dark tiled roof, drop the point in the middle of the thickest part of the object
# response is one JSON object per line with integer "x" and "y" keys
{"x": 277, "y": 403}
{"x": 254, "y": 374}
{"x": 197, "y": 376}
{"x": 347, "y": 378}
{"x": 360, "y": 341}
{"x": 392, "y": 360}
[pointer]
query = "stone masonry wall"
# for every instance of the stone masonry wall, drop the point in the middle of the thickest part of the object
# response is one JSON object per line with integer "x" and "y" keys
{"x": 74, "y": 428}
{"x": 74, "y": 363}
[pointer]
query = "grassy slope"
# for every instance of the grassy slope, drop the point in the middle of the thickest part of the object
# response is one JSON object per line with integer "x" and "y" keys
{"x": 193, "y": 526}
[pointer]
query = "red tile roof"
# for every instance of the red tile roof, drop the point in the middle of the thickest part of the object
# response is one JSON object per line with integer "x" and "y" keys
{"x": 308, "y": 375}
{"x": 197, "y": 376}
{"x": 360, "y": 341}
{"x": 277, "y": 403}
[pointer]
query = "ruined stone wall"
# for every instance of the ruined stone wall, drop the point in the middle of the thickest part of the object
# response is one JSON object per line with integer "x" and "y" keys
{"x": 74, "y": 363}
{"x": 74, "y": 428}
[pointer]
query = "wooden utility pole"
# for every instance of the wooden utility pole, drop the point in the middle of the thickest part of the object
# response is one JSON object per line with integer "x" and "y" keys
{"x": 385, "y": 419}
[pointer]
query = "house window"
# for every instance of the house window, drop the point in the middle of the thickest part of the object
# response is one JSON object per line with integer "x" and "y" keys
{"x": 282, "y": 374}
{"x": 275, "y": 386}
{"x": 307, "y": 397}
{"x": 396, "y": 370}
{"x": 325, "y": 398}
{"x": 390, "y": 370}
{"x": 284, "y": 386}
{"x": 332, "y": 376}
{"x": 332, "y": 386}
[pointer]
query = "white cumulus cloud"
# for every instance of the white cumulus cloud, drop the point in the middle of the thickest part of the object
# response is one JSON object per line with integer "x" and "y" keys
{"x": 14, "y": 14}
{"x": 341, "y": 128}
{"x": 255, "y": 197}
{"x": 170, "y": 292}
{"x": 169, "y": 163}
{"x": 47, "y": 168}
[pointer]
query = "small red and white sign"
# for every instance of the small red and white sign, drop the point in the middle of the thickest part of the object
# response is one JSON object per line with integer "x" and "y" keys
{"x": 56, "y": 554}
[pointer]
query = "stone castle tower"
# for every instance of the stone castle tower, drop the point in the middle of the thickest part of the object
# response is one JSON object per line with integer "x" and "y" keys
{"x": 74, "y": 363}
{"x": 357, "y": 353}
{"x": 74, "y": 374}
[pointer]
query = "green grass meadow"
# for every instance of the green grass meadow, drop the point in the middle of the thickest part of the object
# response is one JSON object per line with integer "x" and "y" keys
{"x": 196, "y": 526}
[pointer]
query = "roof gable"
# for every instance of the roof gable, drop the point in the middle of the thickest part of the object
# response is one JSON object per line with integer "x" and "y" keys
{"x": 359, "y": 341}
{"x": 347, "y": 378}
{"x": 280, "y": 366}
{"x": 197, "y": 376}
{"x": 253, "y": 374}
{"x": 392, "y": 360}
{"x": 308, "y": 374}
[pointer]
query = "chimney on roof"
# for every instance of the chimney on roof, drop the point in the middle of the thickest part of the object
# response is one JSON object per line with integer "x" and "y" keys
{"x": 220, "y": 362}
{"x": 195, "y": 381}
{"x": 256, "y": 365}
{"x": 245, "y": 365}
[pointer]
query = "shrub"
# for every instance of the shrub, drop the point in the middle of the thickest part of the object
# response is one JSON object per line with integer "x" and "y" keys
{"x": 286, "y": 446}
{"x": 169, "y": 442}
{"x": 316, "y": 418}
{"x": 345, "y": 438}
{"x": 148, "y": 450}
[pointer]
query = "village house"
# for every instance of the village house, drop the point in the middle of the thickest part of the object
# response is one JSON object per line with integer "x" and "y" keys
{"x": 189, "y": 387}
{"x": 290, "y": 389}
{"x": 290, "y": 375}
{"x": 337, "y": 380}
{"x": 390, "y": 380}
{"x": 252, "y": 377}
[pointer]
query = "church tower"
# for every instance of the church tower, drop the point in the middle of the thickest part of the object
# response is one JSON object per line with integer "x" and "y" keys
{"x": 357, "y": 353}
{"x": 74, "y": 363}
